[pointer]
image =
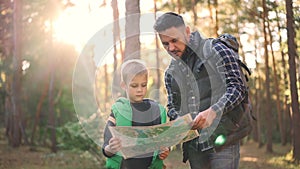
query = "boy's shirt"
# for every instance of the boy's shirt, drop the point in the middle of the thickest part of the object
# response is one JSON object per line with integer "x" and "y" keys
{"x": 142, "y": 115}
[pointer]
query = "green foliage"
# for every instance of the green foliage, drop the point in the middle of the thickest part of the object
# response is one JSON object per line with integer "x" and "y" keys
{"x": 71, "y": 136}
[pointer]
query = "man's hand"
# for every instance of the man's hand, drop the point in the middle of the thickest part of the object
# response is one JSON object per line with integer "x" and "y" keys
{"x": 113, "y": 146}
{"x": 164, "y": 152}
{"x": 204, "y": 119}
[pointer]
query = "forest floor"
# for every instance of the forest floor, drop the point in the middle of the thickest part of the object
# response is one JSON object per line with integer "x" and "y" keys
{"x": 26, "y": 157}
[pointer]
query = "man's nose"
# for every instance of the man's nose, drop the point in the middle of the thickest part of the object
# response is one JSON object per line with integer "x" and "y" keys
{"x": 171, "y": 47}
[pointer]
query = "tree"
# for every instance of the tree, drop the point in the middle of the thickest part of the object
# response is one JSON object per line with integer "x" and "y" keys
{"x": 276, "y": 81}
{"x": 267, "y": 74}
{"x": 39, "y": 109}
{"x": 157, "y": 55}
{"x": 285, "y": 82}
{"x": 15, "y": 128}
{"x": 194, "y": 9}
{"x": 132, "y": 29}
{"x": 258, "y": 100}
{"x": 116, "y": 32}
{"x": 6, "y": 46}
{"x": 293, "y": 79}
{"x": 216, "y": 17}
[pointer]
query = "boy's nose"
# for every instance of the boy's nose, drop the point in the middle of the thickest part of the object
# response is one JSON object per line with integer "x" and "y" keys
{"x": 139, "y": 89}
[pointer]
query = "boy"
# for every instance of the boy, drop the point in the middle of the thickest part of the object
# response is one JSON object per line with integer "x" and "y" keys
{"x": 134, "y": 110}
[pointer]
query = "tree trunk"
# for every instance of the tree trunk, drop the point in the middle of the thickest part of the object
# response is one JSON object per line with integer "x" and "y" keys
{"x": 157, "y": 58}
{"x": 38, "y": 110}
{"x": 132, "y": 29}
{"x": 117, "y": 39}
{"x": 51, "y": 118}
{"x": 210, "y": 11}
{"x": 116, "y": 33}
{"x": 277, "y": 90}
{"x": 293, "y": 79}
{"x": 107, "y": 87}
{"x": 5, "y": 54}
{"x": 258, "y": 109}
{"x": 16, "y": 120}
{"x": 195, "y": 16}
{"x": 216, "y": 18}
{"x": 268, "y": 98}
{"x": 179, "y": 6}
{"x": 236, "y": 30}
{"x": 8, "y": 116}
{"x": 256, "y": 132}
{"x": 52, "y": 125}
{"x": 285, "y": 78}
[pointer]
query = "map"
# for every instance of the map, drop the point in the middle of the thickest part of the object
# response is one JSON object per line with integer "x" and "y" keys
{"x": 141, "y": 140}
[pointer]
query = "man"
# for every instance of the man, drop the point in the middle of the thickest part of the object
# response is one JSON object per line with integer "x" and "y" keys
{"x": 208, "y": 84}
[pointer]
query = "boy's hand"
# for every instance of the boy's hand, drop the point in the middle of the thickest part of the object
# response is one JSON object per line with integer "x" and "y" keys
{"x": 114, "y": 145}
{"x": 164, "y": 152}
{"x": 204, "y": 119}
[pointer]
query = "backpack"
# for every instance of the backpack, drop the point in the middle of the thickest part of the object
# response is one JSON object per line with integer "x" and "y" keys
{"x": 231, "y": 42}
{"x": 247, "y": 119}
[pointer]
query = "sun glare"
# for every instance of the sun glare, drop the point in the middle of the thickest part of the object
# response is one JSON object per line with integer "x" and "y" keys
{"x": 77, "y": 24}
{"x": 80, "y": 25}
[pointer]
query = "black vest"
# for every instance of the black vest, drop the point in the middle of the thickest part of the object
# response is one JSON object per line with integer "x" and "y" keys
{"x": 196, "y": 85}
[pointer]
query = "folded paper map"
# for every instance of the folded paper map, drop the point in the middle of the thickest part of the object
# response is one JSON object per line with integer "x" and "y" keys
{"x": 141, "y": 140}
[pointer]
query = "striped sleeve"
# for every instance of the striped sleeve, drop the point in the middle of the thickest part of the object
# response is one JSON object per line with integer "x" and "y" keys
{"x": 111, "y": 121}
{"x": 172, "y": 113}
{"x": 235, "y": 88}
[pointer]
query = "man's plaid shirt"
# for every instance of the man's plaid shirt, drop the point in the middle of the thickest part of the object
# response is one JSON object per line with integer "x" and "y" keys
{"x": 235, "y": 88}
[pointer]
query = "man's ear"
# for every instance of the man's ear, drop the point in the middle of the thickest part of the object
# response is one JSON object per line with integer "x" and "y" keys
{"x": 188, "y": 32}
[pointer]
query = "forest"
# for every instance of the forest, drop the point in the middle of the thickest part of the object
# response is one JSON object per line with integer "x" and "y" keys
{"x": 59, "y": 74}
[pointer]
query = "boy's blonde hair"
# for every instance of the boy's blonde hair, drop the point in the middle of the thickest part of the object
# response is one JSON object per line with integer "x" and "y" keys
{"x": 132, "y": 68}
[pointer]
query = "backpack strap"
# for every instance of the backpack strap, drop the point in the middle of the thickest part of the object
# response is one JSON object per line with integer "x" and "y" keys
{"x": 246, "y": 68}
{"x": 231, "y": 42}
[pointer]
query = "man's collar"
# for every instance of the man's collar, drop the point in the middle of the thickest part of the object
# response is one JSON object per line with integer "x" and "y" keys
{"x": 187, "y": 53}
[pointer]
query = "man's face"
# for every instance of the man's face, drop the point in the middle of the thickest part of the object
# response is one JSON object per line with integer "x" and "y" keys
{"x": 174, "y": 40}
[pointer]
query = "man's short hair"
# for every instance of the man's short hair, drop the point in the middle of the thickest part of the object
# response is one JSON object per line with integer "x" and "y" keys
{"x": 132, "y": 68}
{"x": 168, "y": 20}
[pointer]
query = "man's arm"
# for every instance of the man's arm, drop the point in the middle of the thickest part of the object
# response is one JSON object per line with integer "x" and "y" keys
{"x": 172, "y": 106}
{"x": 235, "y": 88}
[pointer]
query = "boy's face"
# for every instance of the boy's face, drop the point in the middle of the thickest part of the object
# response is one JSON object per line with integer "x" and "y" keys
{"x": 174, "y": 40}
{"x": 136, "y": 89}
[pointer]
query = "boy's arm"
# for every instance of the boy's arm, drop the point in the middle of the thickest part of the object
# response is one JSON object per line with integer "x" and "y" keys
{"x": 113, "y": 147}
{"x": 106, "y": 150}
{"x": 164, "y": 153}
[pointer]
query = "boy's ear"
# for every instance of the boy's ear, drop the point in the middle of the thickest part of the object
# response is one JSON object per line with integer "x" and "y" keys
{"x": 123, "y": 85}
